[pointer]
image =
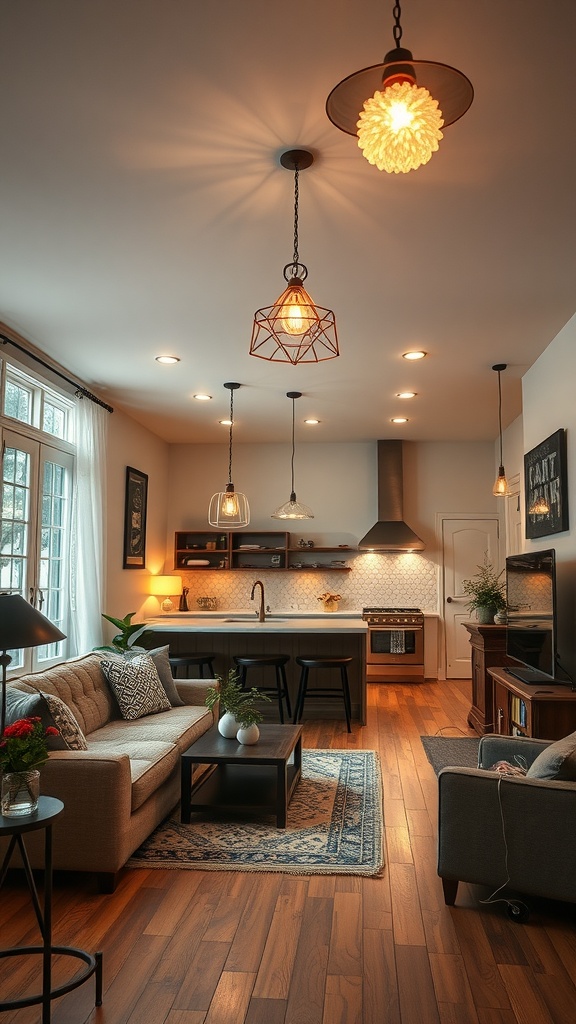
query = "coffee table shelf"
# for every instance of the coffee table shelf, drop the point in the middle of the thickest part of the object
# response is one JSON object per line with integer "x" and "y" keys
{"x": 242, "y": 778}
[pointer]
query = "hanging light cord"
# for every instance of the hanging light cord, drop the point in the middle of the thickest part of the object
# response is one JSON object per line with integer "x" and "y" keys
{"x": 296, "y": 198}
{"x": 292, "y": 494}
{"x": 230, "y": 436}
{"x": 397, "y": 30}
{"x": 500, "y": 414}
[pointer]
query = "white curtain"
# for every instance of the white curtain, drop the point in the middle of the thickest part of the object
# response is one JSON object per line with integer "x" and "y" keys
{"x": 88, "y": 549}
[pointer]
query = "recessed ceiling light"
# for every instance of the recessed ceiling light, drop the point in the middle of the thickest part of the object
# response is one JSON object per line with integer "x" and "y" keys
{"x": 202, "y": 398}
{"x": 413, "y": 355}
{"x": 399, "y": 419}
{"x": 312, "y": 422}
{"x": 167, "y": 359}
{"x": 225, "y": 423}
{"x": 406, "y": 394}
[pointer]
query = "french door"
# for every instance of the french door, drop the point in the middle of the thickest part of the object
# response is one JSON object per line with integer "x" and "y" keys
{"x": 35, "y": 540}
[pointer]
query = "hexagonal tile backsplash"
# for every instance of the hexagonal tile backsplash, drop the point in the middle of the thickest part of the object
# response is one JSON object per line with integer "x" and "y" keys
{"x": 407, "y": 581}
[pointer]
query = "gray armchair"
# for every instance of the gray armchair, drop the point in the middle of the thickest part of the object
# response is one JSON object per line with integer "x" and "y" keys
{"x": 495, "y": 829}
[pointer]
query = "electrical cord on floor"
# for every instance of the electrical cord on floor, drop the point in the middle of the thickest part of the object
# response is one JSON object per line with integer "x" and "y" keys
{"x": 516, "y": 908}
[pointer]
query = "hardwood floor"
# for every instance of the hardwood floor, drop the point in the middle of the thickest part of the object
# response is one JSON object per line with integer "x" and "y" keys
{"x": 186, "y": 947}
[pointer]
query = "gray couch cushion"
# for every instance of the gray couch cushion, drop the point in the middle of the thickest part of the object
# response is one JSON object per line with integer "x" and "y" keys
{"x": 160, "y": 658}
{"x": 558, "y": 761}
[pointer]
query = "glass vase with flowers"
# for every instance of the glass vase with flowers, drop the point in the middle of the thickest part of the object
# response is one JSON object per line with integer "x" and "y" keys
{"x": 23, "y": 751}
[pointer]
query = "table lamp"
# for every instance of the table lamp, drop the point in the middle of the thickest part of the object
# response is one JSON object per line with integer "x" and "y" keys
{"x": 21, "y": 625}
{"x": 165, "y": 586}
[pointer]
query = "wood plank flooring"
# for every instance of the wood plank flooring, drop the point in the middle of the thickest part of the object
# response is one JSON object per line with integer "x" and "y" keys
{"x": 186, "y": 947}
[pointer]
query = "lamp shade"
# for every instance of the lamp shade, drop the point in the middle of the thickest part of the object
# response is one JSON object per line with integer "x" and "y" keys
{"x": 22, "y": 625}
{"x": 164, "y": 586}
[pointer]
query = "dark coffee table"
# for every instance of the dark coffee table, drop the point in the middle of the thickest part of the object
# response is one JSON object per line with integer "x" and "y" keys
{"x": 243, "y": 778}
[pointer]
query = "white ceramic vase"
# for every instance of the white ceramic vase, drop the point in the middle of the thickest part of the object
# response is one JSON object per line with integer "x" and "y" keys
{"x": 228, "y": 726}
{"x": 248, "y": 735}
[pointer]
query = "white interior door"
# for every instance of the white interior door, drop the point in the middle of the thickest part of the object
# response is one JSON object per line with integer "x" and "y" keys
{"x": 465, "y": 541}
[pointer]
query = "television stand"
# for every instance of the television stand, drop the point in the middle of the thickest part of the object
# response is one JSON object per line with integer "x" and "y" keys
{"x": 546, "y": 711}
{"x": 531, "y": 676}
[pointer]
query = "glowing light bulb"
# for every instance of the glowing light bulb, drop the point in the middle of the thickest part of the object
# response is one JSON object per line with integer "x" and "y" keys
{"x": 500, "y": 488}
{"x": 295, "y": 309}
{"x": 399, "y": 128}
{"x": 230, "y": 504}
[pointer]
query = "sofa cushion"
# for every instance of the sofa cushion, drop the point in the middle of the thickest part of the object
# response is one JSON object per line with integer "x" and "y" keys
{"x": 65, "y": 722}
{"x": 81, "y": 684}
{"x": 557, "y": 761}
{"x": 160, "y": 658}
{"x": 33, "y": 705}
{"x": 136, "y": 686}
{"x": 179, "y": 726}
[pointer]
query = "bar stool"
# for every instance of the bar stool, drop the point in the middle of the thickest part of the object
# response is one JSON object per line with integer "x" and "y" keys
{"x": 320, "y": 662}
{"x": 186, "y": 661}
{"x": 263, "y": 661}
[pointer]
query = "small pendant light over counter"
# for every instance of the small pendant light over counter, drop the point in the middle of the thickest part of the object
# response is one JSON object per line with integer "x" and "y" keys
{"x": 397, "y": 108}
{"x": 294, "y": 330}
{"x": 500, "y": 488}
{"x": 293, "y": 509}
{"x": 229, "y": 509}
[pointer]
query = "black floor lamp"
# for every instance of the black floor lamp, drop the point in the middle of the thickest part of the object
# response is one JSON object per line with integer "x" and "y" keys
{"x": 21, "y": 625}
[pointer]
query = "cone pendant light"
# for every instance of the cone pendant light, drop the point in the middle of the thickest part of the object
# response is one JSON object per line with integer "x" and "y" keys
{"x": 293, "y": 509}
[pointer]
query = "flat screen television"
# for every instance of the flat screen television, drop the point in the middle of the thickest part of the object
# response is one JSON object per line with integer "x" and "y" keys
{"x": 531, "y": 601}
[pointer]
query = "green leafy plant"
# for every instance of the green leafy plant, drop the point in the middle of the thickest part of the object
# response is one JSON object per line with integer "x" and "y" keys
{"x": 23, "y": 745}
{"x": 129, "y": 633}
{"x": 486, "y": 588}
{"x": 236, "y": 701}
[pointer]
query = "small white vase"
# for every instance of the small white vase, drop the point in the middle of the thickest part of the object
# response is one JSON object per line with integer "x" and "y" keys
{"x": 248, "y": 735}
{"x": 228, "y": 726}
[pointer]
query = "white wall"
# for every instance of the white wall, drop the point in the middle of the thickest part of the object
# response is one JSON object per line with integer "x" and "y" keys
{"x": 549, "y": 405}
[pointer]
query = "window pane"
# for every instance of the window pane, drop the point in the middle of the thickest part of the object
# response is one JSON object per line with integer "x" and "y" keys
{"x": 18, "y": 402}
{"x": 54, "y": 419}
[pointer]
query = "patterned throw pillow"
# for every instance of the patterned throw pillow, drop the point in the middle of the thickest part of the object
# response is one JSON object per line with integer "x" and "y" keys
{"x": 136, "y": 686}
{"x": 66, "y": 723}
{"x": 20, "y": 704}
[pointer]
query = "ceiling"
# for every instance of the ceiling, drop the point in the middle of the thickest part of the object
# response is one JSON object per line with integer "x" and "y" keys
{"x": 143, "y": 209}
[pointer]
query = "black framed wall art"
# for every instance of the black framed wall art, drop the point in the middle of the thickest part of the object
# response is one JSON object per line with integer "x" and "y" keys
{"x": 546, "y": 487}
{"x": 135, "y": 519}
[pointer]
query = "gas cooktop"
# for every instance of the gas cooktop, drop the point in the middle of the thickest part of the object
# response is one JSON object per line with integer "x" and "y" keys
{"x": 392, "y": 611}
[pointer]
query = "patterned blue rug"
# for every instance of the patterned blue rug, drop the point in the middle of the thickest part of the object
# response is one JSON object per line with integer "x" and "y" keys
{"x": 335, "y": 826}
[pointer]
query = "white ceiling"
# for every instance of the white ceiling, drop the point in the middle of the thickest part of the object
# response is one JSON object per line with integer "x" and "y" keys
{"x": 143, "y": 208}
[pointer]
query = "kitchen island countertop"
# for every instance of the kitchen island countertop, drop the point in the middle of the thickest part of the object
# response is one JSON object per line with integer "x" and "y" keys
{"x": 241, "y": 622}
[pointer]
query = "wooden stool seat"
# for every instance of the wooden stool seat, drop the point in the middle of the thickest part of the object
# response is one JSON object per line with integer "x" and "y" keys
{"x": 322, "y": 661}
{"x": 187, "y": 661}
{"x": 278, "y": 662}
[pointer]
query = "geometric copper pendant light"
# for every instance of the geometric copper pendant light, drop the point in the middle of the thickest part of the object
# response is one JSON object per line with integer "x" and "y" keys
{"x": 294, "y": 330}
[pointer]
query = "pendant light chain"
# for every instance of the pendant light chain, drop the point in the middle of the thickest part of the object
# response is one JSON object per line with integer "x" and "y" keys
{"x": 296, "y": 199}
{"x": 397, "y": 30}
{"x": 500, "y": 414}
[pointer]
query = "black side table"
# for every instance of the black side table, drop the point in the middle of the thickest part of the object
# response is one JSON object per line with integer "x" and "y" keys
{"x": 48, "y": 810}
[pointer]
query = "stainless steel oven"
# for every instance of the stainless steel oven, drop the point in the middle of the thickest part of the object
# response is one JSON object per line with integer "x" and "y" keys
{"x": 394, "y": 645}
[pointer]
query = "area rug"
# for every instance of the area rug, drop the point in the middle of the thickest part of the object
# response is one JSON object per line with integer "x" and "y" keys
{"x": 335, "y": 826}
{"x": 443, "y": 751}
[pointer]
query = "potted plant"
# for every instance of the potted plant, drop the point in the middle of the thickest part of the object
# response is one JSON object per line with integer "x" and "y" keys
{"x": 330, "y": 601}
{"x": 124, "y": 641}
{"x": 487, "y": 591}
{"x": 238, "y": 705}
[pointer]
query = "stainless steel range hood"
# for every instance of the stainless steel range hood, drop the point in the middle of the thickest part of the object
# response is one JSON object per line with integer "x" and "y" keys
{"x": 390, "y": 533}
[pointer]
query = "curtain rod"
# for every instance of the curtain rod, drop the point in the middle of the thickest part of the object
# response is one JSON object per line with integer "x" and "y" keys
{"x": 80, "y": 390}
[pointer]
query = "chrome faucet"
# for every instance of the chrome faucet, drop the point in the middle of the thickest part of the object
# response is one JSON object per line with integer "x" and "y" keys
{"x": 260, "y": 612}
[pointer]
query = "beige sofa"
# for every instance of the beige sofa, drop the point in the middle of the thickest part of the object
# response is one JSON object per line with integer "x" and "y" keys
{"x": 118, "y": 790}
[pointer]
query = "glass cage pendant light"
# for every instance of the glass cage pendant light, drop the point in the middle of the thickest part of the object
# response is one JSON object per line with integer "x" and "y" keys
{"x": 500, "y": 488}
{"x": 397, "y": 108}
{"x": 294, "y": 330}
{"x": 229, "y": 509}
{"x": 293, "y": 509}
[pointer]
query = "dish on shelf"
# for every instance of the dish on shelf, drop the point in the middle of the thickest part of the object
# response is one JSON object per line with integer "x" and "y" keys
{"x": 197, "y": 561}
{"x": 249, "y": 547}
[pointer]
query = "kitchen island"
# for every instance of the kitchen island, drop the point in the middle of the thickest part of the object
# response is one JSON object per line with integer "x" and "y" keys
{"x": 232, "y": 633}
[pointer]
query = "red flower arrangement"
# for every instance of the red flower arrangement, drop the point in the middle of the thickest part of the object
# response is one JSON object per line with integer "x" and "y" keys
{"x": 23, "y": 746}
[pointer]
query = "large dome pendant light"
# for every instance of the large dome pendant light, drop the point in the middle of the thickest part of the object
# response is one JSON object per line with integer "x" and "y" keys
{"x": 229, "y": 509}
{"x": 397, "y": 108}
{"x": 500, "y": 488}
{"x": 294, "y": 330}
{"x": 293, "y": 509}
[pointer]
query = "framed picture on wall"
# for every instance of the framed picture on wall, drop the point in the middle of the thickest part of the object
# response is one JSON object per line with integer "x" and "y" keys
{"x": 135, "y": 519}
{"x": 546, "y": 487}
